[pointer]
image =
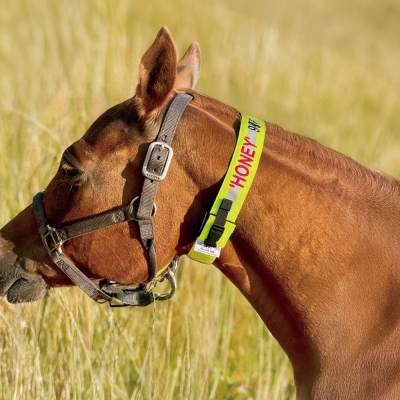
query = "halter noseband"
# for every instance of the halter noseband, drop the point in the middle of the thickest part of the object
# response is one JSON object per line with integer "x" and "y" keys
{"x": 155, "y": 168}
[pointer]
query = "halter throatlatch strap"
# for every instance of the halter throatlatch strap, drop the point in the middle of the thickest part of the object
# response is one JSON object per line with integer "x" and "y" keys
{"x": 155, "y": 167}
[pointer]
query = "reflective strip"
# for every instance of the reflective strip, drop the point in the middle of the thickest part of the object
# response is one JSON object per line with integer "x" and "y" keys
{"x": 237, "y": 182}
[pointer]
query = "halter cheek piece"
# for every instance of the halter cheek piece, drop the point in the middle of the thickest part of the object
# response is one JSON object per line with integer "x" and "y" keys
{"x": 155, "y": 168}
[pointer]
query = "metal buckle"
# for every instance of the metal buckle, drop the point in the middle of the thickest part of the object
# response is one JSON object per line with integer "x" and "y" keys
{"x": 56, "y": 242}
{"x": 154, "y": 175}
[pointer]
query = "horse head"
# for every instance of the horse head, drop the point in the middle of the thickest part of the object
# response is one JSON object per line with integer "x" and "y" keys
{"x": 102, "y": 172}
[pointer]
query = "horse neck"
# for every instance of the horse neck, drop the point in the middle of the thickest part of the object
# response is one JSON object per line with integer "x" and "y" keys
{"x": 305, "y": 239}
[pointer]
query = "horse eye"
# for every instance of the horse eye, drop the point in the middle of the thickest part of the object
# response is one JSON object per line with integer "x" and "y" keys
{"x": 69, "y": 171}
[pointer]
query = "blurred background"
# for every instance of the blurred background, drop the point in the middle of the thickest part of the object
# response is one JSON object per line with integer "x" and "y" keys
{"x": 328, "y": 70}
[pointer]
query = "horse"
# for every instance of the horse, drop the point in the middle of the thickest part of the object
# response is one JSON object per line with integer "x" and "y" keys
{"x": 315, "y": 248}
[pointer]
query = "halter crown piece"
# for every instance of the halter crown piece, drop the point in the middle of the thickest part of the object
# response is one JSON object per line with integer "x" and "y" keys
{"x": 218, "y": 225}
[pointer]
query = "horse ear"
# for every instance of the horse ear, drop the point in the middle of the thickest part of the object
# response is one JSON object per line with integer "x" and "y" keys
{"x": 188, "y": 68}
{"x": 156, "y": 74}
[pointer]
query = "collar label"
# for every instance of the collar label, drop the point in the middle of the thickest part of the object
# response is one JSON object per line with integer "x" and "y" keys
{"x": 200, "y": 247}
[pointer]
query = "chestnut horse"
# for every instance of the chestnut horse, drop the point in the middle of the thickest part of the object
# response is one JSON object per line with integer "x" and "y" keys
{"x": 316, "y": 249}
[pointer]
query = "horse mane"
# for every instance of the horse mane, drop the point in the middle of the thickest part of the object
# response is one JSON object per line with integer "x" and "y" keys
{"x": 212, "y": 106}
{"x": 328, "y": 162}
{"x": 319, "y": 160}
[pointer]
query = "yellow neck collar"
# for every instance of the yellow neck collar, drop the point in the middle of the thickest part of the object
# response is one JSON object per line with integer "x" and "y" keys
{"x": 219, "y": 223}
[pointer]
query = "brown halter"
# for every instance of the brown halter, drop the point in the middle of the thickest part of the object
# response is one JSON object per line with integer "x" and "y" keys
{"x": 155, "y": 168}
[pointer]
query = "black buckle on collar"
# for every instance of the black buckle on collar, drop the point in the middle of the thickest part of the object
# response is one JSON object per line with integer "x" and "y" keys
{"x": 218, "y": 227}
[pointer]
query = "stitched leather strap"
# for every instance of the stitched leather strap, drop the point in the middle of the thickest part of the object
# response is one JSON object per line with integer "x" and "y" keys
{"x": 62, "y": 262}
{"x": 156, "y": 164}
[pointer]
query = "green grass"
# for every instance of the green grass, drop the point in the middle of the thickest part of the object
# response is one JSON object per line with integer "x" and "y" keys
{"x": 328, "y": 70}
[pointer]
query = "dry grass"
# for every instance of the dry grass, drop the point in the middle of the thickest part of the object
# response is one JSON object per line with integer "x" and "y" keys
{"x": 326, "y": 69}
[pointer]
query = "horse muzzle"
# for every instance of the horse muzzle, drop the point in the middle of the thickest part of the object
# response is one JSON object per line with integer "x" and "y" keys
{"x": 16, "y": 284}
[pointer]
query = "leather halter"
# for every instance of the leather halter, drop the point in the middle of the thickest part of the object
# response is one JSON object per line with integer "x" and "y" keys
{"x": 154, "y": 170}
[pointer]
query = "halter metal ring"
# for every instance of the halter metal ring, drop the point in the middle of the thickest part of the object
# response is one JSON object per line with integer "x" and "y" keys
{"x": 154, "y": 206}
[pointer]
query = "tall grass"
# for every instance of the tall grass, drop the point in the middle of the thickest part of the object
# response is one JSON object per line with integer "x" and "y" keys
{"x": 325, "y": 69}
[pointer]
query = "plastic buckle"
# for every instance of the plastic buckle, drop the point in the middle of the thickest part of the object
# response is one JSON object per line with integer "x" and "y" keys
{"x": 214, "y": 235}
{"x": 218, "y": 228}
{"x": 55, "y": 240}
{"x": 154, "y": 175}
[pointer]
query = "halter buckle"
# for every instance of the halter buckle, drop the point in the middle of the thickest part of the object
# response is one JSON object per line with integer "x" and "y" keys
{"x": 155, "y": 175}
{"x": 55, "y": 243}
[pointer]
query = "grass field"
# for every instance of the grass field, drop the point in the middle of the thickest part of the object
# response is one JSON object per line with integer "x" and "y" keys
{"x": 329, "y": 70}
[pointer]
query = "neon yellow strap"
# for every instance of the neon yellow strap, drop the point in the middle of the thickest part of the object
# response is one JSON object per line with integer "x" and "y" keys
{"x": 236, "y": 185}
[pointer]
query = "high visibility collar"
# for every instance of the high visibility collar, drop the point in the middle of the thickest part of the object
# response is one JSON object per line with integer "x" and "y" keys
{"x": 219, "y": 223}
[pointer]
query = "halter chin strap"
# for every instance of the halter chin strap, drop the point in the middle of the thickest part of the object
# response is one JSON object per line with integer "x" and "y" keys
{"x": 155, "y": 168}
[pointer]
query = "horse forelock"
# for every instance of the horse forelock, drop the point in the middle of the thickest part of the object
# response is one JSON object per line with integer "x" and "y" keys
{"x": 123, "y": 114}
